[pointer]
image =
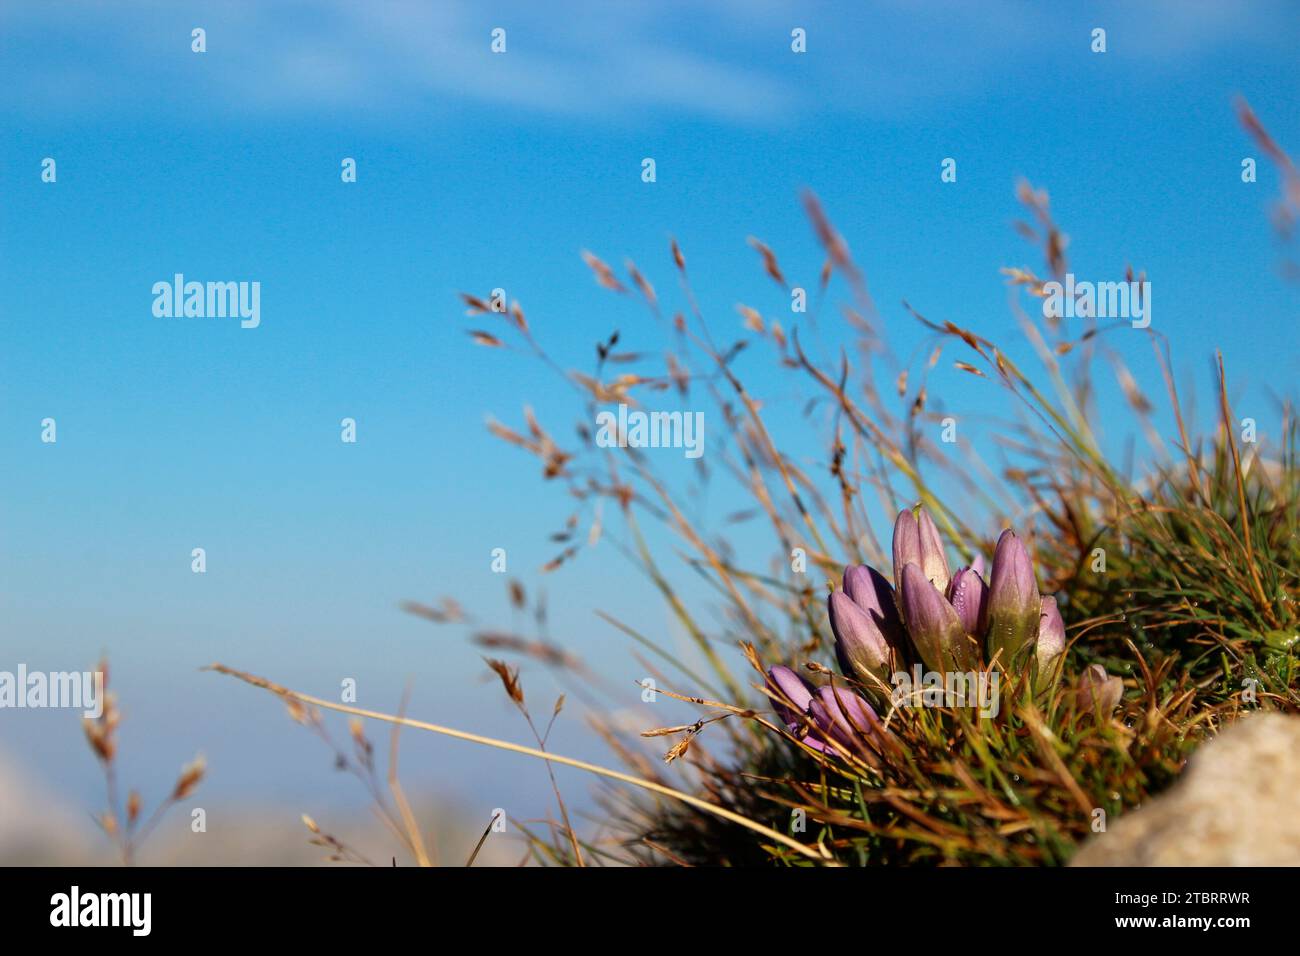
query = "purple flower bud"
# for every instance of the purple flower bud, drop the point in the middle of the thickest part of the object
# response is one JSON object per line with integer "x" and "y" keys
{"x": 907, "y": 545}
{"x": 917, "y": 541}
{"x": 969, "y": 597}
{"x": 977, "y": 565}
{"x": 861, "y": 648}
{"x": 794, "y": 688}
{"x": 815, "y": 744}
{"x": 1098, "y": 692}
{"x": 1051, "y": 644}
{"x": 934, "y": 562}
{"x": 871, "y": 592}
{"x": 844, "y": 717}
{"x": 1013, "y": 602}
{"x": 935, "y": 628}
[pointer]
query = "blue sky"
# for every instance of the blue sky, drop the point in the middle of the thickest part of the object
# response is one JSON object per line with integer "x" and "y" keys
{"x": 479, "y": 170}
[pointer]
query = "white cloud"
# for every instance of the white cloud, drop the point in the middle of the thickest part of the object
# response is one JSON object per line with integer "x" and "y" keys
{"x": 388, "y": 55}
{"x": 613, "y": 59}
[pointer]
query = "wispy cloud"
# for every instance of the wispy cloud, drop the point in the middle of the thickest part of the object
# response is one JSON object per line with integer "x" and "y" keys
{"x": 577, "y": 58}
{"x": 729, "y": 60}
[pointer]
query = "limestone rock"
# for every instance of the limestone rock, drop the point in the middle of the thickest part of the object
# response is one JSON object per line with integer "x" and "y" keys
{"x": 1236, "y": 805}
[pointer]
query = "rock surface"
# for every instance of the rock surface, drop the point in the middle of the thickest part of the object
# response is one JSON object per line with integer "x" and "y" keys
{"x": 1236, "y": 805}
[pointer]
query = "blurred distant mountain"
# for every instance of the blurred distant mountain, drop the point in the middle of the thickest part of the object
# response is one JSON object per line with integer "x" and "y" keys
{"x": 39, "y": 828}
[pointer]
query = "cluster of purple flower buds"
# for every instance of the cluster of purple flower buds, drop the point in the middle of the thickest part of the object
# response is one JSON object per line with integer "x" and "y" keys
{"x": 949, "y": 623}
{"x": 827, "y": 719}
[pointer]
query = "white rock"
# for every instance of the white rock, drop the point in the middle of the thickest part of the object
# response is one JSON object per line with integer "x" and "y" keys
{"x": 1236, "y": 805}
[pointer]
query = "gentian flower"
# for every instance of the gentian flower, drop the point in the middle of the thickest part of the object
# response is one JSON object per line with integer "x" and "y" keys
{"x": 969, "y": 594}
{"x": 917, "y": 541}
{"x": 1099, "y": 693}
{"x": 843, "y": 716}
{"x": 826, "y": 714}
{"x": 863, "y": 651}
{"x": 950, "y": 622}
{"x": 1051, "y": 644}
{"x": 1013, "y": 603}
{"x": 794, "y": 688}
{"x": 935, "y": 628}
{"x": 871, "y": 592}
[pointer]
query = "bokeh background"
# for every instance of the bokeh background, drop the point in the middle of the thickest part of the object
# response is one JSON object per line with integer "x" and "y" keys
{"x": 475, "y": 171}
